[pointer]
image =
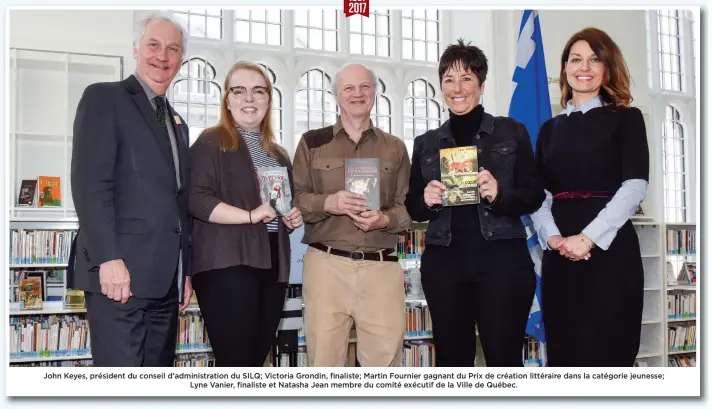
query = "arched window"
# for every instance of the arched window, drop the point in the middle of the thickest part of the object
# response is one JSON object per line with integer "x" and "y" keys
{"x": 206, "y": 23}
{"x": 421, "y": 39}
{"x": 421, "y": 111}
{"x": 673, "y": 97}
{"x": 196, "y": 95}
{"x": 674, "y": 160}
{"x": 381, "y": 111}
{"x": 370, "y": 36}
{"x": 276, "y": 104}
{"x": 314, "y": 103}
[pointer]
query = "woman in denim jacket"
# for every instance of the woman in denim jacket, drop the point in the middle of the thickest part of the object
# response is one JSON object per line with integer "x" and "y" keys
{"x": 476, "y": 268}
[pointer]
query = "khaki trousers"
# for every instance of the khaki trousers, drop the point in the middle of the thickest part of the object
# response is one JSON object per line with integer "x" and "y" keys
{"x": 338, "y": 292}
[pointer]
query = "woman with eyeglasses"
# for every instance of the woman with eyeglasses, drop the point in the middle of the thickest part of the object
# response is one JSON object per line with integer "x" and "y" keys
{"x": 240, "y": 252}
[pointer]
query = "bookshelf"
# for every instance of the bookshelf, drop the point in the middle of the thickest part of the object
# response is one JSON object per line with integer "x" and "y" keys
{"x": 681, "y": 294}
{"x": 655, "y": 253}
{"x": 653, "y": 326}
{"x": 665, "y": 247}
{"x": 45, "y": 88}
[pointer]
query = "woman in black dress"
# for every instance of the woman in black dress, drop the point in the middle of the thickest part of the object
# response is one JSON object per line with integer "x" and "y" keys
{"x": 476, "y": 267}
{"x": 593, "y": 159}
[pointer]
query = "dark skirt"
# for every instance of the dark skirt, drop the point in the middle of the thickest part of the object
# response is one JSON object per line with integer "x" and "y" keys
{"x": 592, "y": 309}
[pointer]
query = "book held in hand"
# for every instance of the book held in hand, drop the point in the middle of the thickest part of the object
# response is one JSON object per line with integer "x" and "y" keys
{"x": 362, "y": 177}
{"x": 274, "y": 185}
{"x": 459, "y": 169}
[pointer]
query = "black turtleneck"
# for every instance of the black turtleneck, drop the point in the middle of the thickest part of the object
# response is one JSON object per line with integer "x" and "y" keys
{"x": 464, "y": 127}
{"x": 465, "y": 221}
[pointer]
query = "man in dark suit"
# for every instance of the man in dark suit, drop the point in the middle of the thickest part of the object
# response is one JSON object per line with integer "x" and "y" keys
{"x": 129, "y": 185}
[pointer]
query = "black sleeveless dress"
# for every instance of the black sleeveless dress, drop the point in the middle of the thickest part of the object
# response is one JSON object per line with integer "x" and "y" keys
{"x": 592, "y": 309}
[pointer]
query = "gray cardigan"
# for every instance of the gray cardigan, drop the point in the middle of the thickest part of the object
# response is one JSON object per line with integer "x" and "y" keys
{"x": 229, "y": 177}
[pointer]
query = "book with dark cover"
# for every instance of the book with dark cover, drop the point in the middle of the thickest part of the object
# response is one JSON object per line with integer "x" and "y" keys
{"x": 362, "y": 177}
{"x": 274, "y": 185}
{"x": 28, "y": 193}
{"x": 459, "y": 169}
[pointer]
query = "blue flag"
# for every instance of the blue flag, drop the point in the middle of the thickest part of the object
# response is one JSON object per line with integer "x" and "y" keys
{"x": 530, "y": 105}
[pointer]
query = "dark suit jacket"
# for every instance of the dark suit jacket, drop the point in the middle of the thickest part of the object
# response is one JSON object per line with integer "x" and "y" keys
{"x": 124, "y": 190}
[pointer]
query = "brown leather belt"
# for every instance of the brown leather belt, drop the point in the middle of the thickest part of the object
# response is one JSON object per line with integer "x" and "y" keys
{"x": 356, "y": 255}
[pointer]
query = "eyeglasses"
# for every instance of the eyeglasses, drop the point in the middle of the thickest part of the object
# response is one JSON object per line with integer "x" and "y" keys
{"x": 239, "y": 92}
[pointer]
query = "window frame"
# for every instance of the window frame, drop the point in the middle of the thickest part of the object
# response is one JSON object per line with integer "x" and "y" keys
{"x": 187, "y": 102}
{"x": 377, "y": 34}
{"x": 289, "y": 62}
{"x": 251, "y": 21}
{"x": 686, "y": 104}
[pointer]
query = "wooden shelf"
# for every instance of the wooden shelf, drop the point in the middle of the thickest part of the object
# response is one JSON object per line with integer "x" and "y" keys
{"x": 50, "y": 358}
{"x": 15, "y": 266}
{"x": 194, "y": 351}
{"x": 89, "y": 356}
{"x": 49, "y": 308}
{"x": 692, "y": 351}
{"x": 690, "y": 287}
{"x": 681, "y": 226}
{"x": 674, "y": 320}
{"x": 40, "y": 136}
{"x": 353, "y": 340}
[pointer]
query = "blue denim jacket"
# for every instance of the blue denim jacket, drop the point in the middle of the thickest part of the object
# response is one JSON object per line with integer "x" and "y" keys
{"x": 504, "y": 148}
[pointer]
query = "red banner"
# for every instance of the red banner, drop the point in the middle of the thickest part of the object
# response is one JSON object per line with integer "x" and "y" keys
{"x": 352, "y": 7}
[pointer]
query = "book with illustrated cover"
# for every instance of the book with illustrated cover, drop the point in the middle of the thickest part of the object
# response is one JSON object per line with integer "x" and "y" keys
{"x": 28, "y": 193}
{"x": 30, "y": 293}
{"x": 362, "y": 177}
{"x": 274, "y": 185}
{"x": 75, "y": 299}
{"x": 49, "y": 191}
{"x": 42, "y": 275}
{"x": 459, "y": 169}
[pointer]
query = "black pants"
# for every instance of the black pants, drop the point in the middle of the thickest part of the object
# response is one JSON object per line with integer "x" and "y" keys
{"x": 141, "y": 332}
{"x": 459, "y": 297}
{"x": 242, "y": 307}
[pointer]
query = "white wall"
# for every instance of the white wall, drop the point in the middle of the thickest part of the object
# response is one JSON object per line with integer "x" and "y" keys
{"x": 476, "y": 27}
{"x": 104, "y": 32}
{"x": 626, "y": 28}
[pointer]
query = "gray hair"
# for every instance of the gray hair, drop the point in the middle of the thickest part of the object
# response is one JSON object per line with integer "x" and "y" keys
{"x": 335, "y": 83}
{"x": 161, "y": 15}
